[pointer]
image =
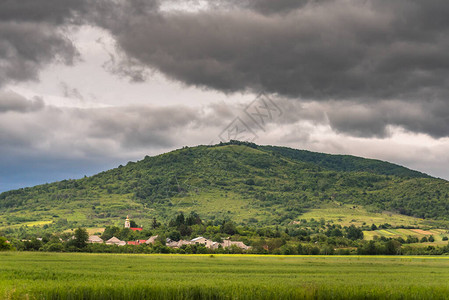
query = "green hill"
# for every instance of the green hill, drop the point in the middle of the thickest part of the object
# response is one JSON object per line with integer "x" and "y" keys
{"x": 250, "y": 184}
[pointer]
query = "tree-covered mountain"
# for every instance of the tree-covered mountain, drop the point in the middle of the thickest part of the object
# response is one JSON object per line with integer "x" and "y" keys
{"x": 250, "y": 184}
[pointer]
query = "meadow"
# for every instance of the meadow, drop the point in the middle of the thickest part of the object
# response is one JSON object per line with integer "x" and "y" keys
{"x": 106, "y": 276}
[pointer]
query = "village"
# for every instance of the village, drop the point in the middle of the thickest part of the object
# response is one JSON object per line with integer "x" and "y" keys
{"x": 226, "y": 243}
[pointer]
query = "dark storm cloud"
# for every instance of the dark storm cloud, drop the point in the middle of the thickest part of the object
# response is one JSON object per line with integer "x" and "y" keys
{"x": 342, "y": 50}
{"x": 31, "y": 36}
{"x": 266, "y": 6}
{"x": 362, "y": 55}
{"x": 55, "y": 11}
{"x": 27, "y": 47}
{"x": 325, "y": 50}
{"x": 373, "y": 120}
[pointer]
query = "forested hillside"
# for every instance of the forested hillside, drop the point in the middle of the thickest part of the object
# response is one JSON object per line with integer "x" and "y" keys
{"x": 250, "y": 184}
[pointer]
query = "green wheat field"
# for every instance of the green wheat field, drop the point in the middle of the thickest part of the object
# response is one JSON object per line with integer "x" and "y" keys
{"x": 115, "y": 276}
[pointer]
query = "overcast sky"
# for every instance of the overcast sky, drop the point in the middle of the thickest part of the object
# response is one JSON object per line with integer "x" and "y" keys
{"x": 90, "y": 84}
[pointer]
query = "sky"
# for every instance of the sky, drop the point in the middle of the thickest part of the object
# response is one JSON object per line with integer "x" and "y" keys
{"x": 88, "y": 85}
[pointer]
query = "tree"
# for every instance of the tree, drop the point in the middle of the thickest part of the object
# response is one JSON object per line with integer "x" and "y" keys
{"x": 180, "y": 219}
{"x": 336, "y": 232}
{"x": 174, "y": 235}
{"x": 109, "y": 232}
{"x": 411, "y": 239}
{"x": 250, "y": 182}
{"x": 4, "y": 246}
{"x": 354, "y": 233}
{"x": 229, "y": 228}
{"x": 155, "y": 224}
{"x": 275, "y": 243}
{"x": 80, "y": 238}
{"x": 184, "y": 230}
{"x": 431, "y": 239}
{"x": 193, "y": 219}
{"x": 133, "y": 224}
{"x": 53, "y": 247}
{"x": 32, "y": 245}
{"x": 125, "y": 234}
{"x": 392, "y": 247}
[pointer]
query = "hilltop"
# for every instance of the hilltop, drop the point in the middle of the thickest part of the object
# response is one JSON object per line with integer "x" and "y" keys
{"x": 244, "y": 182}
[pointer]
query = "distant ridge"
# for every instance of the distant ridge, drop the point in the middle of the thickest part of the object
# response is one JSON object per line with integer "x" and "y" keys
{"x": 248, "y": 183}
{"x": 346, "y": 163}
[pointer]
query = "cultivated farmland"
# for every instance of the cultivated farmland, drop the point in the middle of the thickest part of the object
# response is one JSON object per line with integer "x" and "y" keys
{"x": 98, "y": 276}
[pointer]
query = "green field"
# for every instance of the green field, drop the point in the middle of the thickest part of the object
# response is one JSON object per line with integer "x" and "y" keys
{"x": 96, "y": 276}
{"x": 358, "y": 215}
{"x": 438, "y": 235}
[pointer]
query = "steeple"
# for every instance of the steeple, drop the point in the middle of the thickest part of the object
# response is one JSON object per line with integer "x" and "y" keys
{"x": 127, "y": 223}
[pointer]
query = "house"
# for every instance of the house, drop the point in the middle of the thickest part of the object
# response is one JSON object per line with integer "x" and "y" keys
{"x": 171, "y": 244}
{"x": 202, "y": 241}
{"x": 136, "y": 242}
{"x": 94, "y": 239}
{"x": 136, "y": 228}
{"x": 228, "y": 243}
{"x": 205, "y": 242}
{"x": 178, "y": 244}
{"x": 183, "y": 242}
{"x": 152, "y": 239}
{"x": 115, "y": 241}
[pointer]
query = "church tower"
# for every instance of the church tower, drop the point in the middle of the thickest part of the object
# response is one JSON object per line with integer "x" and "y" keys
{"x": 127, "y": 224}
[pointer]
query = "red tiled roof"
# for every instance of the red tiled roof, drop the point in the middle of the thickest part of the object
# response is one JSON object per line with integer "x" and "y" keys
{"x": 136, "y": 229}
{"x": 133, "y": 243}
{"x": 142, "y": 241}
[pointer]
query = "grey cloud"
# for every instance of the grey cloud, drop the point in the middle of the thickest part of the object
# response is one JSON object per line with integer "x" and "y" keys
{"x": 92, "y": 132}
{"x": 266, "y": 6}
{"x": 138, "y": 126}
{"x": 365, "y": 52}
{"x": 26, "y": 47}
{"x": 55, "y": 11}
{"x": 31, "y": 36}
{"x": 329, "y": 50}
{"x": 370, "y": 55}
{"x": 372, "y": 119}
{"x": 70, "y": 92}
{"x": 375, "y": 119}
{"x": 12, "y": 102}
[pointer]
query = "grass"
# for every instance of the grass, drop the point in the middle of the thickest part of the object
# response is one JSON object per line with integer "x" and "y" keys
{"x": 357, "y": 215}
{"x": 105, "y": 276}
{"x": 29, "y": 224}
{"x": 438, "y": 235}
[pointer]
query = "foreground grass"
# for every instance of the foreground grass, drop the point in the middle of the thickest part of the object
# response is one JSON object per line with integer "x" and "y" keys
{"x": 106, "y": 276}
